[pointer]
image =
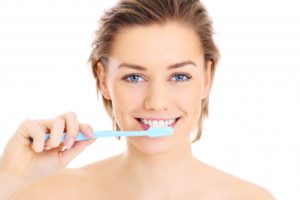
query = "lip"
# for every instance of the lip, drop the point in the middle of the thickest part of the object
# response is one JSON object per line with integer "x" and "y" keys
{"x": 146, "y": 126}
{"x": 152, "y": 118}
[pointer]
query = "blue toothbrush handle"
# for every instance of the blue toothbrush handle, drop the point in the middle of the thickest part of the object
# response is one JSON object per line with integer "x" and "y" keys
{"x": 152, "y": 132}
{"x": 99, "y": 134}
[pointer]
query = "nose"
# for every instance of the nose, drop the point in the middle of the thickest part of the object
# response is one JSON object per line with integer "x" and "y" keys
{"x": 157, "y": 97}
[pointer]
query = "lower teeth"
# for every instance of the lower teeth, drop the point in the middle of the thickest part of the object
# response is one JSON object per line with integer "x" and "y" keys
{"x": 157, "y": 125}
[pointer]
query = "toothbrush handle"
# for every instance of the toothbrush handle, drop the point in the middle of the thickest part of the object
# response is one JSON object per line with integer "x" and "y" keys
{"x": 98, "y": 134}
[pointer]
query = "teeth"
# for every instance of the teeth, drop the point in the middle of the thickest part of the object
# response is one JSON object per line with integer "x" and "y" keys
{"x": 161, "y": 123}
{"x": 158, "y": 123}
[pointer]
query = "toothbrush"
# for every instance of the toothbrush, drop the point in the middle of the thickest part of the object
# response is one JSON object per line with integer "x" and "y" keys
{"x": 151, "y": 132}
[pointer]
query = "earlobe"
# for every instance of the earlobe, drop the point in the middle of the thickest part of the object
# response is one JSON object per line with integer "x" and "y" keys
{"x": 102, "y": 81}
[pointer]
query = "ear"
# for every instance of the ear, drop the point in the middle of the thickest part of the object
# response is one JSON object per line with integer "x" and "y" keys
{"x": 207, "y": 80}
{"x": 102, "y": 81}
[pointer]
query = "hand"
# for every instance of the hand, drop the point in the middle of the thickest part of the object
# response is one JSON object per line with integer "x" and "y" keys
{"x": 39, "y": 159}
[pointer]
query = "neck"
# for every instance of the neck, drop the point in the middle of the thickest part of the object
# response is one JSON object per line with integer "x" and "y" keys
{"x": 150, "y": 171}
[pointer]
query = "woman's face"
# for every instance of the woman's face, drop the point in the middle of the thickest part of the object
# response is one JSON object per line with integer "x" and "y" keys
{"x": 145, "y": 84}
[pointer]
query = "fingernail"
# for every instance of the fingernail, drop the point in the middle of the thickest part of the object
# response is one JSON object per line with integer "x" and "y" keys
{"x": 90, "y": 132}
{"x": 70, "y": 143}
{"x": 63, "y": 148}
{"x": 47, "y": 148}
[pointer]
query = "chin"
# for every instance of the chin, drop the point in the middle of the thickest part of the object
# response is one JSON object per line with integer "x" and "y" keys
{"x": 147, "y": 145}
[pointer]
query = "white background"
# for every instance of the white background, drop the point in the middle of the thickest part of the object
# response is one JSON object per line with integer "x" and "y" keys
{"x": 253, "y": 127}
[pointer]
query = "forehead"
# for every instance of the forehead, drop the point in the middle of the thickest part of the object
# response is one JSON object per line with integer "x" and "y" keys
{"x": 155, "y": 43}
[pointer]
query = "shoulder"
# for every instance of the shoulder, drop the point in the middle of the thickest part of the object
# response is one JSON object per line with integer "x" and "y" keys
{"x": 231, "y": 187}
{"x": 249, "y": 191}
{"x": 54, "y": 187}
{"x": 73, "y": 183}
{"x": 243, "y": 189}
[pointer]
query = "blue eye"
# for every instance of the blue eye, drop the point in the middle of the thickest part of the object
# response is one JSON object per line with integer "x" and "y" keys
{"x": 135, "y": 78}
{"x": 131, "y": 77}
{"x": 182, "y": 77}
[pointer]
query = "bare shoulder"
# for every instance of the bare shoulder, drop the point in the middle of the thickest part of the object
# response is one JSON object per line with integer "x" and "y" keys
{"x": 248, "y": 191}
{"x": 235, "y": 188}
{"x": 62, "y": 184}
{"x": 82, "y": 183}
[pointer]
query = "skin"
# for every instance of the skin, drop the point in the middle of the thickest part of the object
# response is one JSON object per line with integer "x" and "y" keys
{"x": 23, "y": 163}
{"x": 151, "y": 168}
{"x": 155, "y": 94}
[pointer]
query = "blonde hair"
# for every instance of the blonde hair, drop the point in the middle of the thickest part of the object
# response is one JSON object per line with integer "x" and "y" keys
{"x": 129, "y": 13}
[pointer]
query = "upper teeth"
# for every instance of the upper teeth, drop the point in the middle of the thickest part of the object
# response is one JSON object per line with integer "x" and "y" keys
{"x": 160, "y": 123}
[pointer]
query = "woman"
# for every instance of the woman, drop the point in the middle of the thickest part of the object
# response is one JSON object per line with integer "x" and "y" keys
{"x": 154, "y": 62}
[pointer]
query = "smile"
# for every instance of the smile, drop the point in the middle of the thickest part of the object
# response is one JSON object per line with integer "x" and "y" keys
{"x": 147, "y": 123}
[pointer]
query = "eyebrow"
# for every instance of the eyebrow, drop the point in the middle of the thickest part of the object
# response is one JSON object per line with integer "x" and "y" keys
{"x": 173, "y": 66}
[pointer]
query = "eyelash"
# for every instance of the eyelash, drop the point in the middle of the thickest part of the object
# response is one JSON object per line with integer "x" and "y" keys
{"x": 188, "y": 77}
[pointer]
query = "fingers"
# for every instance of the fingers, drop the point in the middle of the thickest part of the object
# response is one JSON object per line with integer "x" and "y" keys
{"x": 36, "y": 129}
{"x": 55, "y": 127}
{"x": 72, "y": 128}
{"x": 57, "y": 130}
{"x": 79, "y": 146}
{"x": 66, "y": 123}
{"x": 86, "y": 130}
{"x": 31, "y": 129}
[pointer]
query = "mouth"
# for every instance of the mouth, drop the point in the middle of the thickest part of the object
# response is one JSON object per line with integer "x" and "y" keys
{"x": 147, "y": 123}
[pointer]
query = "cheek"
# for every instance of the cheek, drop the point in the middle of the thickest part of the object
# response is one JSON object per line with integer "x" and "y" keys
{"x": 189, "y": 97}
{"x": 126, "y": 98}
